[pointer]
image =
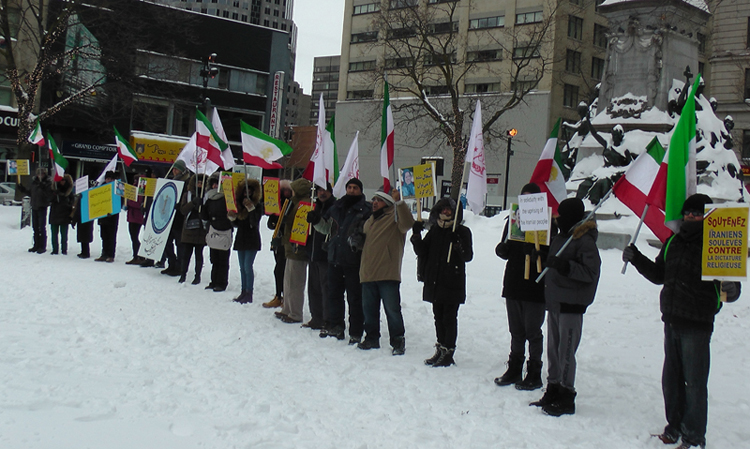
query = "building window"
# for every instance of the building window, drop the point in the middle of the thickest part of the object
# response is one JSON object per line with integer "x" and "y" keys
{"x": 433, "y": 2}
{"x": 747, "y": 44}
{"x": 523, "y": 85}
{"x": 361, "y": 66}
{"x": 597, "y": 68}
{"x": 526, "y": 52}
{"x": 235, "y": 15}
{"x": 484, "y": 55}
{"x": 701, "y": 43}
{"x": 366, "y": 9}
{"x": 747, "y": 83}
{"x": 573, "y": 61}
{"x": 570, "y": 96}
{"x": 575, "y": 27}
{"x": 401, "y": 33}
{"x": 436, "y": 59}
{"x": 359, "y": 94}
{"x": 600, "y": 36}
{"x": 243, "y": 17}
{"x": 398, "y": 63}
{"x": 276, "y": 13}
{"x": 396, "y": 4}
{"x": 482, "y": 88}
{"x": 487, "y": 22}
{"x": 266, "y": 23}
{"x": 529, "y": 17}
{"x": 746, "y": 144}
{"x": 267, "y": 11}
{"x": 433, "y": 91}
{"x": 225, "y": 13}
{"x": 443, "y": 27}
{"x": 369, "y": 36}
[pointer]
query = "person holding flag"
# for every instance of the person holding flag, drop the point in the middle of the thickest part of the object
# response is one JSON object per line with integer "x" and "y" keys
{"x": 387, "y": 140}
{"x": 41, "y": 194}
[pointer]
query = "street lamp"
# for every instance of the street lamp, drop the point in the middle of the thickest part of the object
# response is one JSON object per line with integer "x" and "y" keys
{"x": 208, "y": 70}
{"x": 511, "y": 133}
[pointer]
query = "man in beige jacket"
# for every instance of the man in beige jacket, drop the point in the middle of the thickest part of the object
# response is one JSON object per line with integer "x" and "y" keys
{"x": 380, "y": 272}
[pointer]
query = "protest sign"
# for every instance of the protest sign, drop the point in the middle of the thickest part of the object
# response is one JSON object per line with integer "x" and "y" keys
{"x": 424, "y": 181}
{"x": 725, "y": 242}
{"x": 82, "y": 184}
{"x": 228, "y": 187}
{"x": 99, "y": 202}
{"x": 130, "y": 192}
{"x": 160, "y": 218}
{"x": 271, "y": 196}
{"x": 300, "y": 225}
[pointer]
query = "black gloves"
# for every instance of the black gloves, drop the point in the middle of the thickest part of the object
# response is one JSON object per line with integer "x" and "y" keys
{"x": 356, "y": 242}
{"x": 456, "y": 239}
{"x": 630, "y": 253}
{"x": 561, "y": 265}
{"x": 197, "y": 201}
{"x": 731, "y": 290}
{"x": 417, "y": 227}
{"x": 313, "y": 217}
{"x": 502, "y": 250}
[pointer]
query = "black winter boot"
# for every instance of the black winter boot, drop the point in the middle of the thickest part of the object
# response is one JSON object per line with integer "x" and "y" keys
{"x": 565, "y": 404}
{"x": 514, "y": 373}
{"x": 550, "y": 395}
{"x": 446, "y": 357}
{"x": 433, "y": 359}
{"x": 533, "y": 379}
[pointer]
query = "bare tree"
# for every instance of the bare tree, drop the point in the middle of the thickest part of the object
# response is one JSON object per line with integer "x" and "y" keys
{"x": 426, "y": 56}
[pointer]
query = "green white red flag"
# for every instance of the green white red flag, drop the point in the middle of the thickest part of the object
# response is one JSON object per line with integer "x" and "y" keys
{"x": 633, "y": 188}
{"x": 387, "y": 140}
{"x": 476, "y": 187}
{"x": 59, "y": 163}
{"x": 37, "y": 137}
{"x": 350, "y": 170}
{"x": 676, "y": 179}
{"x": 260, "y": 149}
{"x": 124, "y": 149}
{"x": 226, "y": 155}
{"x": 548, "y": 173}
{"x": 208, "y": 139}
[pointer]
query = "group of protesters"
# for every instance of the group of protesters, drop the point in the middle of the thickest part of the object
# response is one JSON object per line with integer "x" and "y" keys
{"x": 352, "y": 259}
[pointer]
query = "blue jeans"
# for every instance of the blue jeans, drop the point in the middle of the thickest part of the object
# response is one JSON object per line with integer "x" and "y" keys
{"x": 684, "y": 382}
{"x": 247, "y": 258}
{"x": 388, "y": 292}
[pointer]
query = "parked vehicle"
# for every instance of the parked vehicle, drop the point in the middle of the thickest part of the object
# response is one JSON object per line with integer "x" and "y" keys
{"x": 7, "y": 193}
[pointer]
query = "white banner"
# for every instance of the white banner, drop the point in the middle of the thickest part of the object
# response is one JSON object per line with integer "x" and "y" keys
{"x": 160, "y": 218}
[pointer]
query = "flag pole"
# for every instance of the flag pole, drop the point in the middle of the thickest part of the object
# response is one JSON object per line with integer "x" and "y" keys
{"x": 635, "y": 236}
{"x": 455, "y": 215}
{"x": 570, "y": 239}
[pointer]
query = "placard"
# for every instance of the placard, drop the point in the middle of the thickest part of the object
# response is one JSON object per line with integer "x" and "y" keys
{"x": 300, "y": 225}
{"x": 227, "y": 186}
{"x": 82, "y": 184}
{"x": 160, "y": 218}
{"x": 146, "y": 187}
{"x": 271, "y": 196}
{"x": 725, "y": 242}
{"x": 130, "y": 192}
{"x": 12, "y": 167}
{"x": 99, "y": 202}
{"x": 516, "y": 234}
{"x": 532, "y": 212}
{"x": 424, "y": 181}
{"x": 22, "y": 167}
{"x": 253, "y": 172}
{"x": 406, "y": 175}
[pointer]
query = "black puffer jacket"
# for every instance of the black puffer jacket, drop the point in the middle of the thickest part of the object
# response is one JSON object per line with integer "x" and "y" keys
{"x": 345, "y": 218}
{"x": 194, "y": 236}
{"x": 61, "y": 205}
{"x": 574, "y": 291}
{"x": 247, "y": 221}
{"x": 444, "y": 281}
{"x": 685, "y": 299}
{"x": 215, "y": 210}
{"x": 317, "y": 239}
{"x": 514, "y": 285}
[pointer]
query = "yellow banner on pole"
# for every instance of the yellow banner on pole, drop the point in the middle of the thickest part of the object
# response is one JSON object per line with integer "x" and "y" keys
{"x": 300, "y": 225}
{"x": 227, "y": 186}
{"x": 424, "y": 181}
{"x": 100, "y": 200}
{"x": 725, "y": 230}
{"x": 130, "y": 192}
{"x": 271, "y": 196}
{"x": 22, "y": 167}
{"x": 146, "y": 187}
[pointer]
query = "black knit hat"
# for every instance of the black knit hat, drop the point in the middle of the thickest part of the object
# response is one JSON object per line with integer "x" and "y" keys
{"x": 110, "y": 175}
{"x": 531, "y": 188}
{"x": 356, "y": 182}
{"x": 570, "y": 212}
{"x": 697, "y": 202}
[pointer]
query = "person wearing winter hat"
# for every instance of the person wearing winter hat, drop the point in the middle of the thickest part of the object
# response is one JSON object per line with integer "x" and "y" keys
{"x": 569, "y": 288}
{"x": 384, "y": 235}
{"x": 173, "y": 251}
{"x": 317, "y": 283}
{"x": 444, "y": 279}
{"x": 688, "y": 306}
{"x": 343, "y": 223}
{"x": 524, "y": 305}
{"x": 108, "y": 228}
{"x": 214, "y": 212}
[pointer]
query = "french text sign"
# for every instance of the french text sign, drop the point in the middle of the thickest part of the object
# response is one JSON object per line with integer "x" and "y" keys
{"x": 725, "y": 242}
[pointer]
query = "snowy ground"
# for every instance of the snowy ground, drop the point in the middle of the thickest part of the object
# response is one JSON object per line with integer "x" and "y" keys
{"x": 97, "y": 355}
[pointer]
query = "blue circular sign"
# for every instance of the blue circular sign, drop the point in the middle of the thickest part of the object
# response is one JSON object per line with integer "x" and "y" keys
{"x": 163, "y": 207}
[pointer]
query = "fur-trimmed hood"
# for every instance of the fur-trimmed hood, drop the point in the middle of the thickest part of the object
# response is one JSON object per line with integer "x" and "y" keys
{"x": 255, "y": 194}
{"x": 435, "y": 211}
{"x": 194, "y": 180}
{"x": 584, "y": 228}
{"x": 66, "y": 184}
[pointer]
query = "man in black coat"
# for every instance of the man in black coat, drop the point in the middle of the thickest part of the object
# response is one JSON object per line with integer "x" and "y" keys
{"x": 41, "y": 193}
{"x": 688, "y": 307}
{"x": 317, "y": 270}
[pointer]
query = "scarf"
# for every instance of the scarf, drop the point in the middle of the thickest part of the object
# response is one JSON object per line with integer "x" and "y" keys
{"x": 445, "y": 221}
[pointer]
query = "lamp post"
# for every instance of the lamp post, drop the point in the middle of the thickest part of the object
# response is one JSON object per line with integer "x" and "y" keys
{"x": 208, "y": 70}
{"x": 511, "y": 133}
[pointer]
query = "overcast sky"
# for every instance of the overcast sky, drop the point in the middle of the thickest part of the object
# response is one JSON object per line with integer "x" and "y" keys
{"x": 319, "y": 34}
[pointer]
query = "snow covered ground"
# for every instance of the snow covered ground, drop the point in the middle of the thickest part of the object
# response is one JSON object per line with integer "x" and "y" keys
{"x": 96, "y": 355}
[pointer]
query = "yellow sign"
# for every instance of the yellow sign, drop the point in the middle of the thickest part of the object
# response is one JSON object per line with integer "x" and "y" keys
{"x": 300, "y": 225}
{"x": 151, "y": 148}
{"x": 227, "y": 186}
{"x": 146, "y": 187}
{"x": 424, "y": 182}
{"x": 237, "y": 179}
{"x": 725, "y": 242}
{"x": 21, "y": 167}
{"x": 271, "y": 196}
{"x": 100, "y": 200}
{"x": 130, "y": 192}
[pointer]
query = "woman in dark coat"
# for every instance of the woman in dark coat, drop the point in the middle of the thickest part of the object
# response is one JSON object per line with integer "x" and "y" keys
{"x": 247, "y": 241}
{"x": 215, "y": 212}
{"x": 444, "y": 279}
{"x": 60, "y": 210}
{"x": 524, "y": 304}
{"x": 194, "y": 229}
{"x": 136, "y": 220}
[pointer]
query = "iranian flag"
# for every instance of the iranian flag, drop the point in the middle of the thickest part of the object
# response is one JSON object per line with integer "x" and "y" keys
{"x": 207, "y": 139}
{"x": 548, "y": 174}
{"x": 226, "y": 155}
{"x": 261, "y": 149}
{"x": 350, "y": 170}
{"x": 476, "y": 188}
{"x": 633, "y": 188}
{"x": 124, "y": 149}
{"x": 386, "y": 140}
{"x": 59, "y": 163}
{"x": 36, "y": 137}
{"x": 676, "y": 179}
